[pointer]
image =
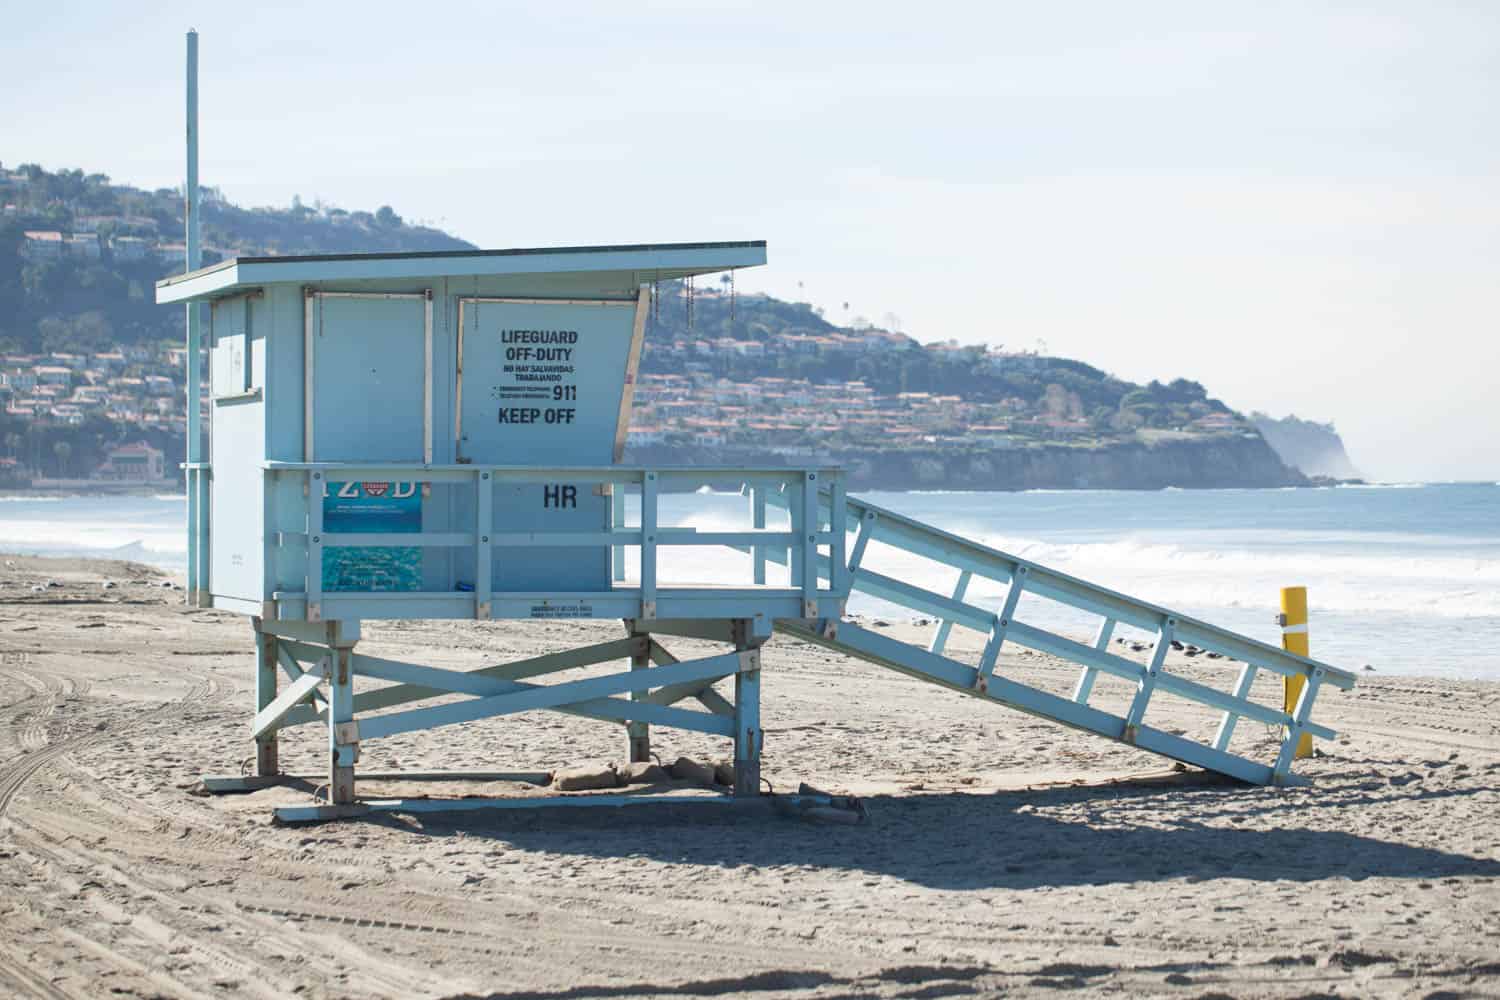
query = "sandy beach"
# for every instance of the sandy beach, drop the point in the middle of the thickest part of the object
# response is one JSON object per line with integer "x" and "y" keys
{"x": 1003, "y": 855}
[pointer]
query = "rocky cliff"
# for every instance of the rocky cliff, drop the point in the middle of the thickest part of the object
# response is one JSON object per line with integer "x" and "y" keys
{"x": 1217, "y": 462}
{"x": 1311, "y": 448}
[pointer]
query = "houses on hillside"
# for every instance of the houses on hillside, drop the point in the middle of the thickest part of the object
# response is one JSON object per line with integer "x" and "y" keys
{"x": 140, "y": 385}
{"x": 50, "y": 244}
{"x": 134, "y": 463}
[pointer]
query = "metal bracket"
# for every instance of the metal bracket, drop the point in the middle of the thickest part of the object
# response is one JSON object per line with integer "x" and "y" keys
{"x": 648, "y": 610}
{"x": 829, "y": 627}
{"x": 749, "y": 660}
{"x": 809, "y": 609}
{"x": 482, "y": 610}
{"x": 346, "y": 733}
{"x": 315, "y": 611}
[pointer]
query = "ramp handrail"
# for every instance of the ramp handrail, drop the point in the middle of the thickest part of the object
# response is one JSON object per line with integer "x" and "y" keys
{"x": 972, "y": 559}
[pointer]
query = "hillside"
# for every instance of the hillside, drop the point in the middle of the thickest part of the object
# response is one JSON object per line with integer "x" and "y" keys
{"x": 754, "y": 379}
{"x": 1310, "y": 447}
{"x": 82, "y": 282}
{"x": 88, "y": 362}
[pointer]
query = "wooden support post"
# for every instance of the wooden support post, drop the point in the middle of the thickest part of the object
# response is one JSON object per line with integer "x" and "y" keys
{"x": 794, "y": 551}
{"x": 758, "y": 522}
{"x": 266, "y": 655}
{"x": 838, "y": 528}
{"x": 315, "y": 487}
{"x": 807, "y": 542}
{"x": 617, "y": 523}
{"x": 649, "y": 492}
{"x": 343, "y": 733}
{"x": 638, "y": 734}
{"x": 484, "y": 553}
{"x": 748, "y": 735}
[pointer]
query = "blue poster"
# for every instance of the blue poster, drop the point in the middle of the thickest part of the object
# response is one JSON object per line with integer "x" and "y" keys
{"x": 385, "y": 508}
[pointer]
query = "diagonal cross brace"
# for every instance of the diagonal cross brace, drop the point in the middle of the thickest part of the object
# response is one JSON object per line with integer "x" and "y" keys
{"x": 1146, "y": 687}
{"x": 1299, "y": 725}
{"x": 401, "y": 694}
{"x": 991, "y": 654}
{"x": 945, "y": 625}
{"x": 555, "y": 696}
{"x": 1229, "y": 719}
{"x": 434, "y": 681}
{"x": 704, "y": 692}
{"x": 292, "y": 668}
{"x": 267, "y": 718}
{"x": 1085, "y": 685}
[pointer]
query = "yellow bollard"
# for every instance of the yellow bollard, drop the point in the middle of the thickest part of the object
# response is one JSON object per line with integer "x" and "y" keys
{"x": 1294, "y": 640}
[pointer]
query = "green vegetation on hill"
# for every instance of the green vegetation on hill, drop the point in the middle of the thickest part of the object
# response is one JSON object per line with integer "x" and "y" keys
{"x": 95, "y": 293}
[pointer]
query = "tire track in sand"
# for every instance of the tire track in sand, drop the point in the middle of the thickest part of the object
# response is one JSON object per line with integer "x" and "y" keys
{"x": 16, "y": 773}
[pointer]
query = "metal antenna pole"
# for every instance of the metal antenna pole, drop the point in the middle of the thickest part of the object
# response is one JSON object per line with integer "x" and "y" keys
{"x": 194, "y": 455}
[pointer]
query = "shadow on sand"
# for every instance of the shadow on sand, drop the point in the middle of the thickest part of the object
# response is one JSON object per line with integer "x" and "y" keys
{"x": 1059, "y": 836}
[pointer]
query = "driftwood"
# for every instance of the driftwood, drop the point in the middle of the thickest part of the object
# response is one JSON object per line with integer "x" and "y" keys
{"x": 585, "y": 778}
{"x": 687, "y": 769}
{"x": 641, "y": 773}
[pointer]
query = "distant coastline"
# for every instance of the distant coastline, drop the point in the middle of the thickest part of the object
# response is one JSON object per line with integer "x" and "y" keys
{"x": 92, "y": 488}
{"x": 1224, "y": 461}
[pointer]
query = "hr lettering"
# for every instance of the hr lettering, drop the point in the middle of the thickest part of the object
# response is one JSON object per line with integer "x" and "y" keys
{"x": 559, "y": 495}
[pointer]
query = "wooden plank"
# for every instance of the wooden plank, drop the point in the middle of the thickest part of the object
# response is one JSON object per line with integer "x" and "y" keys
{"x": 1086, "y": 679}
{"x": 1241, "y": 693}
{"x": 555, "y": 696}
{"x": 267, "y": 718}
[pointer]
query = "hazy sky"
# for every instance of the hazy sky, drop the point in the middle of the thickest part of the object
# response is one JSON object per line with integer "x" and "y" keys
{"x": 1297, "y": 204}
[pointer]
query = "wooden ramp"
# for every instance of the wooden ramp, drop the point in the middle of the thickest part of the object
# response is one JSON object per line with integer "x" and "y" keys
{"x": 890, "y": 538}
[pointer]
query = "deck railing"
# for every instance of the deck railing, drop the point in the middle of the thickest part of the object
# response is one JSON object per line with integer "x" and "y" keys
{"x": 810, "y": 539}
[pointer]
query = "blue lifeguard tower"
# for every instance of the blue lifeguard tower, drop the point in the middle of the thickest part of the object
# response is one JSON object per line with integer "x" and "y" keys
{"x": 438, "y": 435}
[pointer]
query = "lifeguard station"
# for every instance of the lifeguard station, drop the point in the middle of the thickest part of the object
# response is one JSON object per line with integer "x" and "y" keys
{"x": 437, "y": 435}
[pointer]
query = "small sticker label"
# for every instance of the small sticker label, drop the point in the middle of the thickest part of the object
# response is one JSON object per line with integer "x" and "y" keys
{"x": 562, "y": 611}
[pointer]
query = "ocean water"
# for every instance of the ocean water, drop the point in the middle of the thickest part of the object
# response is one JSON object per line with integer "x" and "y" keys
{"x": 1404, "y": 578}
